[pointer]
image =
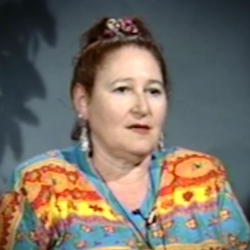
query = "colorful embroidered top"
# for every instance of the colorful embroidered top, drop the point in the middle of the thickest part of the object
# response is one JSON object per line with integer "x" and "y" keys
{"x": 58, "y": 202}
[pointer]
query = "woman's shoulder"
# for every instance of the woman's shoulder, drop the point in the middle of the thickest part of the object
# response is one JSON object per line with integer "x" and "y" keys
{"x": 51, "y": 162}
{"x": 58, "y": 156}
{"x": 182, "y": 160}
{"x": 186, "y": 171}
{"x": 181, "y": 153}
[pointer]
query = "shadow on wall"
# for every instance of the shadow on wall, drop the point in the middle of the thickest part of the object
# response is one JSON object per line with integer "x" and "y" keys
{"x": 23, "y": 26}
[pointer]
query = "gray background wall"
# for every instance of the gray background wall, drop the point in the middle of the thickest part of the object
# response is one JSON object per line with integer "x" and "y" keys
{"x": 207, "y": 48}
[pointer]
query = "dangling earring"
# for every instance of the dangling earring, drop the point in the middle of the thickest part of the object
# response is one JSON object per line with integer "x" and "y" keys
{"x": 161, "y": 144}
{"x": 84, "y": 140}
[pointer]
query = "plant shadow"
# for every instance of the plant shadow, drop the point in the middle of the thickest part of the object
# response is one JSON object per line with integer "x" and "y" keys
{"x": 24, "y": 25}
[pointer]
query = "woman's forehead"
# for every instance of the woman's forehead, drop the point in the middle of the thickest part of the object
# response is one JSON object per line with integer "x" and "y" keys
{"x": 130, "y": 62}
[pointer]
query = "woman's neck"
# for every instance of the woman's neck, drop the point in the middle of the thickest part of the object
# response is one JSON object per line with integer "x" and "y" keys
{"x": 113, "y": 169}
{"x": 127, "y": 177}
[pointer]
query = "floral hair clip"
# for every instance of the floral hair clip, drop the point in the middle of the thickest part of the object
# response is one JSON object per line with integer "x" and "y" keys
{"x": 120, "y": 27}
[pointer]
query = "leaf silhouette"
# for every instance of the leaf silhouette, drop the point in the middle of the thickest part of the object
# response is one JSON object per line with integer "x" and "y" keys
{"x": 25, "y": 115}
{"x": 24, "y": 25}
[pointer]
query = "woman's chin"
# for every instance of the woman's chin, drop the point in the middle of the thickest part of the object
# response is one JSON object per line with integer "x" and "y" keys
{"x": 141, "y": 150}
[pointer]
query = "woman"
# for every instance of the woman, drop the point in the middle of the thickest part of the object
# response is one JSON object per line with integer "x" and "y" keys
{"x": 119, "y": 188}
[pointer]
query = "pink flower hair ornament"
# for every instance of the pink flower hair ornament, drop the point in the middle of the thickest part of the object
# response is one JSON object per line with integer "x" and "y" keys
{"x": 120, "y": 27}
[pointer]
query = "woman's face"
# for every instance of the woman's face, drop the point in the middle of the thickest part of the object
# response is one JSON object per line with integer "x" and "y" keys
{"x": 127, "y": 109}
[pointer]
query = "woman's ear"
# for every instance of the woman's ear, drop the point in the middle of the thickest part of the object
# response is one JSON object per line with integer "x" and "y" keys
{"x": 80, "y": 100}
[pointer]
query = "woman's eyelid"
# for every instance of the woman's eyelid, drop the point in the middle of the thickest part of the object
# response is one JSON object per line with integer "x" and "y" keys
{"x": 156, "y": 85}
{"x": 121, "y": 85}
{"x": 127, "y": 85}
{"x": 121, "y": 88}
{"x": 155, "y": 88}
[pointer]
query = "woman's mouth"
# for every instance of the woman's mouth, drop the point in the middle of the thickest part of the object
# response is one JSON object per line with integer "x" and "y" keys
{"x": 140, "y": 129}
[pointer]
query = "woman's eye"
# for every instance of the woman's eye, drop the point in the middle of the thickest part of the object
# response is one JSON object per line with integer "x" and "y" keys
{"x": 155, "y": 91}
{"x": 122, "y": 89}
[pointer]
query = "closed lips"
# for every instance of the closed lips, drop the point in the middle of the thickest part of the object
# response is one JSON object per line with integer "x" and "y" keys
{"x": 139, "y": 126}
